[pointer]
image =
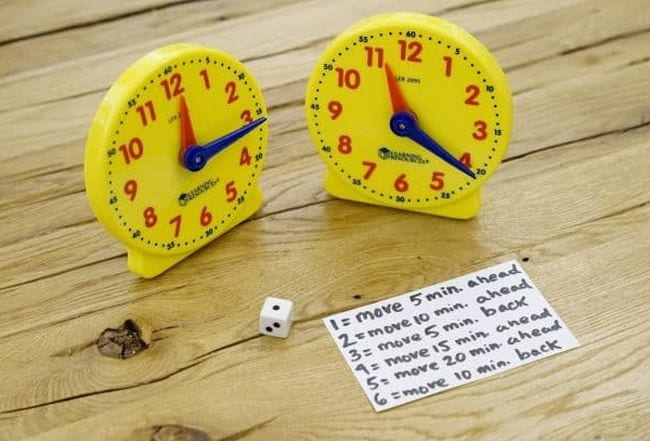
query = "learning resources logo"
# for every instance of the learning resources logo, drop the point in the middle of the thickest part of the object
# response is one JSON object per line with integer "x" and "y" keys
{"x": 392, "y": 155}
{"x": 186, "y": 198}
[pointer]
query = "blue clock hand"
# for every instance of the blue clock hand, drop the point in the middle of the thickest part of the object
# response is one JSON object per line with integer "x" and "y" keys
{"x": 196, "y": 157}
{"x": 404, "y": 124}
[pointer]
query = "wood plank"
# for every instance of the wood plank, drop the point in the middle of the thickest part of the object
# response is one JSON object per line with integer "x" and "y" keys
{"x": 565, "y": 267}
{"x": 24, "y": 18}
{"x": 603, "y": 58}
{"x": 110, "y": 33}
{"x": 574, "y": 107}
{"x": 574, "y": 28}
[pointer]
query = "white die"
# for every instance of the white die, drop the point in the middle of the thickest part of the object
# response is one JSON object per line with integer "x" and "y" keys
{"x": 276, "y": 317}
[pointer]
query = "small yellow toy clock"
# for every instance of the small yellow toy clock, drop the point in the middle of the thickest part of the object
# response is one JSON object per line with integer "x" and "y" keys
{"x": 409, "y": 111}
{"x": 174, "y": 154}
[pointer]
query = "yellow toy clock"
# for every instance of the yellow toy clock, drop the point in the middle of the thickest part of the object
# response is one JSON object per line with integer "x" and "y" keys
{"x": 409, "y": 111}
{"x": 174, "y": 154}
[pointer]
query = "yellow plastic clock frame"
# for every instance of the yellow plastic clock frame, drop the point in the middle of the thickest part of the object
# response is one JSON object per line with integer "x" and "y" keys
{"x": 468, "y": 204}
{"x": 143, "y": 261}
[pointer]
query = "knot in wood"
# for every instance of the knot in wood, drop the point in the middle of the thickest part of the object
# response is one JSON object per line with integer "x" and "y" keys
{"x": 131, "y": 338}
{"x": 178, "y": 433}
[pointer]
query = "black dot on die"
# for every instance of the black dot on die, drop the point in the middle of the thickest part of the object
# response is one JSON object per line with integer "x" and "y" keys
{"x": 269, "y": 329}
{"x": 276, "y": 324}
{"x": 276, "y": 307}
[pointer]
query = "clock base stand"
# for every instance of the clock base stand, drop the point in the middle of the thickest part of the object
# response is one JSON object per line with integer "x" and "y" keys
{"x": 465, "y": 208}
{"x": 149, "y": 265}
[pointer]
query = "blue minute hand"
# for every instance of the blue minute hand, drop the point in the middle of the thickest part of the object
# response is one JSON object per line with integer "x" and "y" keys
{"x": 196, "y": 157}
{"x": 403, "y": 124}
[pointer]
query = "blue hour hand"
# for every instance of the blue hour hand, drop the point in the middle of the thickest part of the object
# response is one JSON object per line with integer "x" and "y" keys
{"x": 196, "y": 157}
{"x": 404, "y": 124}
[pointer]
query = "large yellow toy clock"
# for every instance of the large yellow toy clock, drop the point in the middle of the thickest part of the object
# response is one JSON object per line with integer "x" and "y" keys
{"x": 175, "y": 153}
{"x": 409, "y": 111}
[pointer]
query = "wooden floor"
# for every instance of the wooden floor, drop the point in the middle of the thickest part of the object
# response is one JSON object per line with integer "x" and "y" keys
{"x": 571, "y": 201}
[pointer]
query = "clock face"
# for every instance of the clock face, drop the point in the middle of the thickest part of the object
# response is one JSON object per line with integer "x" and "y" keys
{"x": 454, "y": 91}
{"x": 137, "y": 182}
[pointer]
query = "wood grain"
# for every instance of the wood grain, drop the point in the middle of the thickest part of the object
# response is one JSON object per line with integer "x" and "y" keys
{"x": 25, "y": 18}
{"x": 572, "y": 197}
{"x": 139, "y": 21}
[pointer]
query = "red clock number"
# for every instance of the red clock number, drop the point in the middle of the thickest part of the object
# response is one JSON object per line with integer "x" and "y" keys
{"x": 172, "y": 86}
{"x": 437, "y": 181}
{"x": 335, "y": 108}
{"x": 177, "y": 227}
{"x": 345, "y": 144}
{"x": 350, "y": 78}
{"x": 447, "y": 61}
{"x": 245, "y": 158}
{"x": 246, "y": 116}
{"x": 206, "y": 78}
{"x": 231, "y": 191}
{"x": 133, "y": 151}
{"x": 481, "y": 130}
{"x": 206, "y": 217}
{"x": 143, "y": 110}
{"x": 414, "y": 46}
{"x": 466, "y": 159}
{"x": 401, "y": 184}
{"x": 370, "y": 51}
{"x": 231, "y": 90}
{"x": 473, "y": 92}
{"x": 150, "y": 218}
{"x": 371, "y": 168}
{"x": 131, "y": 189}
